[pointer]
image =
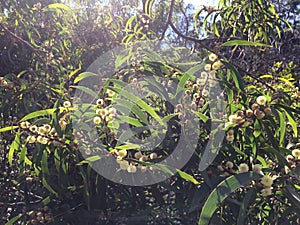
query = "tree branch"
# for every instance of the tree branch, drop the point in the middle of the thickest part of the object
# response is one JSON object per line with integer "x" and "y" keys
{"x": 34, "y": 50}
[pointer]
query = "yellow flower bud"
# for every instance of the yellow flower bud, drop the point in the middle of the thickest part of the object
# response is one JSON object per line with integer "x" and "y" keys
{"x": 243, "y": 168}
{"x": 97, "y": 120}
{"x": 266, "y": 191}
{"x": 212, "y": 57}
{"x": 261, "y": 100}
{"x": 296, "y": 153}
{"x": 267, "y": 181}
{"x": 131, "y": 168}
{"x": 153, "y": 155}
{"x": 229, "y": 164}
{"x": 122, "y": 153}
{"x": 67, "y": 104}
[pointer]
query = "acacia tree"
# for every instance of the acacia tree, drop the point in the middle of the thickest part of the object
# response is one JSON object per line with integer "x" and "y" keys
{"x": 255, "y": 175}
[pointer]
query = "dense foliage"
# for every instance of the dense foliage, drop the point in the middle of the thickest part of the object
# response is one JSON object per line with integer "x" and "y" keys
{"x": 222, "y": 81}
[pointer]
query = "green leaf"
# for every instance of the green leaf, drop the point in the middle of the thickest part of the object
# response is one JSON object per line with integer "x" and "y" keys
{"x": 293, "y": 196}
{"x": 15, "y": 219}
{"x": 130, "y": 120}
{"x": 243, "y": 210}
{"x": 44, "y": 162}
{"x": 282, "y": 126}
{"x": 271, "y": 137}
{"x": 225, "y": 188}
{"x": 244, "y": 43}
{"x": 48, "y": 187}
{"x": 83, "y": 75}
{"x": 89, "y": 160}
{"x": 237, "y": 78}
{"x": 58, "y": 6}
{"x": 142, "y": 104}
{"x": 128, "y": 146}
{"x": 10, "y": 128}
{"x": 292, "y": 122}
{"x": 35, "y": 114}
{"x": 203, "y": 117}
{"x": 86, "y": 90}
{"x": 13, "y": 147}
{"x": 46, "y": 200}
{"x": 187, "y": 176}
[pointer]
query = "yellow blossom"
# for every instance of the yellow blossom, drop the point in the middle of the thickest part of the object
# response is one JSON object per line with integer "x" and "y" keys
{"x": 229, "y": 164}
{"x": 266, "y": 191}
{"x": 31, "y": 139}
{"x": 217, "y": 65}
{"x": 100, "y": 102}
{"x": 296, "y": 153}
{"x": 153, "y": 155}
{"x": 243, "y": 168}
{"x": 207, "y": 67}
{"x": 122, "y": 153}
{"x": 97, "y": 120}
{"x": 33, "y": 128}
{"x": 67, "y": 104}
{"x": 110, "y": 93}
{"x": 230, "y": 138}
{"x": 261, "y": 100}
{"x": 212, "y": 57}
{"x": 256, "y": 168}
{"x": 123, "y": 165}
{"x": 267, "y": 181}
{"x": 25, "y": 125}
{"x": 131, "y": 168}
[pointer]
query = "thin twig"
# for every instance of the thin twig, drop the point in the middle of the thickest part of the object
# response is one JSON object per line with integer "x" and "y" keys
{"x": 201, "y": 43}
{"x": 35, "y": 51}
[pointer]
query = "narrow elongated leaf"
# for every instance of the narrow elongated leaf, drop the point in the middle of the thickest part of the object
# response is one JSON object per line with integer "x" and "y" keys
{"x": 187, "y": 176}
{"x": 15, "y": 219}
{"x": 10, "y": 128}
{"x": 13, "y": 147}
{"x": 83, "y": 76}
{"x": 282, "y": 127}
{"x": 292, "y": 122}
{"x": 38, "y": 113}
{"x": 271, "y": 137}
{"x": 244, "y": 43}
{"x": 49, "y": 188}
{"x": 86, "y": 90}
{"x": 58, "y": 6}
{"x": 44, "y": 162}
{"x": 130, "y": 120}
{"x": 142, "y": 104}
{"x": 89, "y": 160}
{"x": 293, "y": 196}
{"x": 237, "y": 78}
{"x": 222, "y": 191}
{"x": 243, "y": 210}
{"x": 203, "y": 117}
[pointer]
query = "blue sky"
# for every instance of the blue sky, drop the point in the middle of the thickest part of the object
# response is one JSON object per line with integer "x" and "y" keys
{"x": 202, "y": 2}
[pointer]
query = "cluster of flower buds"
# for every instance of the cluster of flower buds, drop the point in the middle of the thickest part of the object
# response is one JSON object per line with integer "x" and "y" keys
{"x": 131, "y": 167}
{"x": 43, "y": 216}
{"x": 293, "y": 160}
{"x": 267, "y": 182}
{"x": 244, "y": 118}
{"x": 42, "y": 134}
{"x": 260, "y": 108}
{"x": 242, "y": 168}
{"x": 103, "y": 113}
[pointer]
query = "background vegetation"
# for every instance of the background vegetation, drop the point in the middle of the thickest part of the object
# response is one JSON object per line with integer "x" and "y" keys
{"x": 253, "y": 48}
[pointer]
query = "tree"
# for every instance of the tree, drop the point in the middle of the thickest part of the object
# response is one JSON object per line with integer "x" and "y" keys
{"x": 168, "y": 92}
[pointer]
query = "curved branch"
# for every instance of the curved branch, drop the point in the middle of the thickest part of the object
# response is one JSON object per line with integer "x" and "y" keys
{"x": 34, "y": 50}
